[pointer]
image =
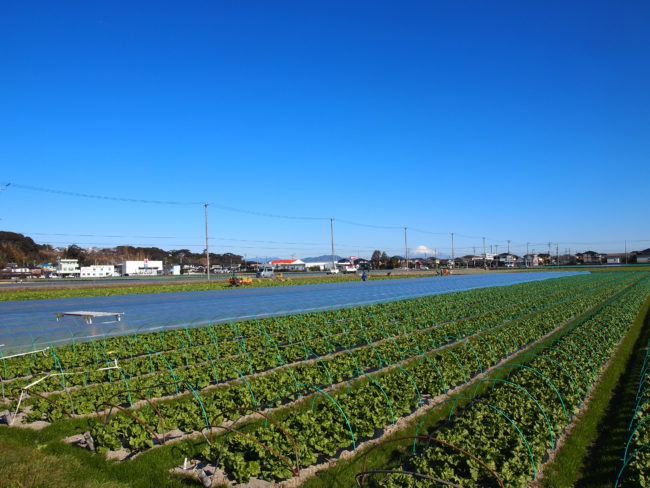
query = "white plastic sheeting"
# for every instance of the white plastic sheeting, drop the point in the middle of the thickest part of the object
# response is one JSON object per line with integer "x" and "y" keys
{"x": 29, "y": 324}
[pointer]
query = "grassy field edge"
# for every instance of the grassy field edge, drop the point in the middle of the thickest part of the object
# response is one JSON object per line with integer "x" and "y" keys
{"x": 579, "y": 456}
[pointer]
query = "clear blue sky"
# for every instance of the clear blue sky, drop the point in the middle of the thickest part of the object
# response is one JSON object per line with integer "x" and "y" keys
{"x": 510, "y": 120}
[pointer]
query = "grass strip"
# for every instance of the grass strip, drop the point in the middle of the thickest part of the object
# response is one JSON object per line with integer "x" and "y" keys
{"x": 39, "y": 459}
{"x": 591, "y": 454}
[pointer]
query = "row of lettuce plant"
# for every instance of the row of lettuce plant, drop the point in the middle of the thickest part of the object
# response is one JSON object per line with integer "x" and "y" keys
{"x": 226, "y": 339}
{"x": 511, "y": 427}
{"x": 334, "y": 416}
{"x": 635, "y": 465}
{"x": 202, "y": 375}
{"x": 378, "y": 327}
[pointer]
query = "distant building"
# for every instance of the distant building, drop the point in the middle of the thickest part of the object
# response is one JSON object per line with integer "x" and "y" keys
{"x": 142, "y": 268}
{"x": 532, "y": 260}
{"x": 13, "y": 271}
{"x": 288, "y": 265}
{"x": 643, "y": 257}
{"x": 67, "y": 267}
{"x": 615, "y": 258}
{"x": 98, "y": 271}
{"x": 507, "y": 260}
{"x": 592, "y": 257}
{"x": 567, "y": 259}
{"x": 174, "y": 270}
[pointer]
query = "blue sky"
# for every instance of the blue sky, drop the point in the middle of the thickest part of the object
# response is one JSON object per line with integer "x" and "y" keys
{"x": 509, "y": 120}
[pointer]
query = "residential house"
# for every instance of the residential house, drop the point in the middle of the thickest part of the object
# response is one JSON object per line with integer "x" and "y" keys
{"x": 643, "y": 257}
{"x": 592, "y": 257}
{"x": 507, "y": 260}
{"x": 617, "y": 258}
{"x": 532, "y": 260}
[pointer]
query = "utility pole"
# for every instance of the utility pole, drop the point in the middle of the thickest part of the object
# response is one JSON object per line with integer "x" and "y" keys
{"x": 557, "y": 253}
{"x": 207, "y": 246}
{"x": 527, "y": 254}
{"x": 484, "y": 255}
{"x": 549, "y": 249}
{"x": 626, "y": 251}
{"x": 406, "y": 249}
{"x": 452, "y": 246}
{"x": 332, "y": 236}
{"x": 508, "y": 246}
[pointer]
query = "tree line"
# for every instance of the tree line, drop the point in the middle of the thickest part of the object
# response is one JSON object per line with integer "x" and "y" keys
{"x": 22, "y": 250}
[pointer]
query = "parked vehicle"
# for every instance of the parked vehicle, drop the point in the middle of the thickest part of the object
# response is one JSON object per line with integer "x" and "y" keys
{"x": 266, "y": 272}
{"x": 332, "y": 271}
{"x": 349, "y": 269}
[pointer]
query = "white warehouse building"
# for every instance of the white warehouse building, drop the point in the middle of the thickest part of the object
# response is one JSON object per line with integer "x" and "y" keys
{"x": 145, "y": 267}
{"x": 98, "y": 271}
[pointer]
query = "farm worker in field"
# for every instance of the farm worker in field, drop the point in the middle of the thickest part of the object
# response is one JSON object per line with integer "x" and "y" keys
{"x": 364, "y": 277}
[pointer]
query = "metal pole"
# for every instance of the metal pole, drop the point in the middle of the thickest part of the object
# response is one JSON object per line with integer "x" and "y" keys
{"x": 406, "y": 249}
{"x": 527, "y": 254}
{"x": 484, "y": 255}
{"x": 452, "y": 246}
{"x": 557, "y": 253}
{"x": 207, "y": 247}
{"x": 332, "y": 236}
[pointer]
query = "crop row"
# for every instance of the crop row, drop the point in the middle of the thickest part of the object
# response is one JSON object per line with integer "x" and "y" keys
{"x": 361, "y": 352}
{"x": 251, "y": 359}
{"x": 505, "y": 433}
{"x": 635, "y": 467}
{"x": 225, "y": 339}
{"x": 338, "y": 416}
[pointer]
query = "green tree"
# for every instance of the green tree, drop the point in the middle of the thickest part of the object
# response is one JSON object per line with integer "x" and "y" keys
{"x": 76, "y": 252}
{"x": 376, "y": 259}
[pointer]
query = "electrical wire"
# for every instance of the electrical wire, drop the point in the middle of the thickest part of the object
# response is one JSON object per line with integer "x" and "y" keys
{"x": 6, "y": 185}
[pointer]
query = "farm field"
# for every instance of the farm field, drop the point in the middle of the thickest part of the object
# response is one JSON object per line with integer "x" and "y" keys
{"x": 55, "y": 289}
{"x": 481, "y": 387}
{"x": 30, "y": 325}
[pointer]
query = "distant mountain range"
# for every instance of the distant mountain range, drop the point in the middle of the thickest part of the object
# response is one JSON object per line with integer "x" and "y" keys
{"x": 263, "y": 260}
{"x": 326, "y": 258}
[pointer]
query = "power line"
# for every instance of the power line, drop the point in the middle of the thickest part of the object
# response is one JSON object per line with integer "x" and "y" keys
{"x": 372, "y": 226}
{"x": 212, "y": 239}
{"x": 214, "y": 205}
{"x": 156, "y": 202}
{"x": 98, "y": 197}
{"x": 96, "y": 235}
{"x": 5, "y": 185}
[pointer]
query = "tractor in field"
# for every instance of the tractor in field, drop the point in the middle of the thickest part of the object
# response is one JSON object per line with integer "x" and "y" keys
{"x": 234, "y": 281}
